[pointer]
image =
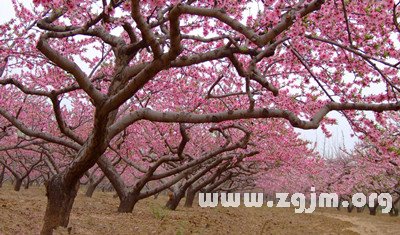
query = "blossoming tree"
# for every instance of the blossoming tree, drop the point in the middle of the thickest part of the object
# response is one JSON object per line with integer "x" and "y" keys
{"x": 119, "y": 62}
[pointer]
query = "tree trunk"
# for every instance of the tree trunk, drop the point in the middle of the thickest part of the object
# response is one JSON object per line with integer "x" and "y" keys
{"x": 127, "y": 203}
{"x": 173, "y": 201}
{"x": 372, "y": 210}
{"x": 395, "y": 208}
{"x": 59, "y": 204}
{"x": 26, "y": 186}
{"x": 394, "y": 211}
{"x": 350, "y": 208}
{"x": 27, "y": 183}
{"x": 2, "y": 176}
{"x": 93, "y": 185}
{"x": 17, "y": 184}
{"x": 190, "y": 199}
{"x": 90, "y": 190}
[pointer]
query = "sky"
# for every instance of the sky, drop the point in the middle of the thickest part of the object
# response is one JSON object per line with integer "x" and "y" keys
{"x": 6, "y": 10}
{"x": 341, "y": 133}
{"x": 341, "y": 136}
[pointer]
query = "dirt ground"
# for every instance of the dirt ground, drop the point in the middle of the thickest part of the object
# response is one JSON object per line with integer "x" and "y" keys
{"x": 22, "y": 213}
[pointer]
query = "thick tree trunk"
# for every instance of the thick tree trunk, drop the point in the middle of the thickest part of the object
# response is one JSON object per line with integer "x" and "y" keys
{"x": 59, "y": 204}
{"x": 17, "y": 184}
{"x": 190, "y": 198}
{"x": 127, "y": 203}
{"x": 63, "y": 187}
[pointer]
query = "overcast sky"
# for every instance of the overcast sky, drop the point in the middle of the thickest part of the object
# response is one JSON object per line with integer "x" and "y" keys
{"x": 341, "y": 133}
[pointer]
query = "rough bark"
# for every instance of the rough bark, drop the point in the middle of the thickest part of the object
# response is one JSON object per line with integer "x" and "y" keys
{"x": 127, "y": 203}
{"x": 62, "y": 188}
{"x": 60, "y": 199}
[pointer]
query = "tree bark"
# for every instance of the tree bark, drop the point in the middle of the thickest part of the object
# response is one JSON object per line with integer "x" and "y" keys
{"x": 2, "y": 176}
{"x": 190, "y": 198}
{"x": 27, "y": 182}
{"x": 372, "y": 210}
{"x": 395, "y": 208}
{"x": 93, "y": 185}
{"x": 350, "y": 208}
{"x": 174, "y": 200}
{"x": 90, "y": 190}
{"x": 340, "y": 203}
{"x": 17, "y": 184}
{"x": 59, "y": 204}
{"x": 127, "y": 203}
{"x": 394, "y": 211}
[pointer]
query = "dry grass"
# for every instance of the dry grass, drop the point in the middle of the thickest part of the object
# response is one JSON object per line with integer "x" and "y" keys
{"x": 22, "y": 213}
